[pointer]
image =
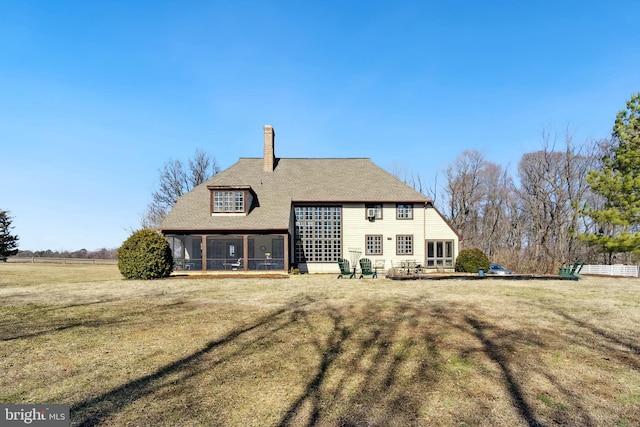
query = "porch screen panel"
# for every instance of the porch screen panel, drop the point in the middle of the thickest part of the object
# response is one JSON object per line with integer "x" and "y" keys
{"x": 318, "y": 233}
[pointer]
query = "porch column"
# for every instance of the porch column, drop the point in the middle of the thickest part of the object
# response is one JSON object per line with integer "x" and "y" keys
{"x": 203, "y": 250}
{"x": 245, "y": 252}
{"x": 286, "y": 252}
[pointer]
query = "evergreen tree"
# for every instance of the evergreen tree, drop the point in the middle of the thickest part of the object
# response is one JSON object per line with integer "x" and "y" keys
{"x": 8, "y": 241}
{"x": 618, "y": 184}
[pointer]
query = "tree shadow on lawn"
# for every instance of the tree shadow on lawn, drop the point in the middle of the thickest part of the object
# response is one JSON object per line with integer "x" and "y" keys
{"x": 375, "y": 364}
{"x": 376, "y": 345}
{"x": 65, "y": 322}
{"x": 568, "y": 407}
{"x": 363, "y": 362}
{"x": 498, "y": 356}
{"x": 378, "y": 372}
{"x": 614, "y": 341}
{"x": 92, "y": 412}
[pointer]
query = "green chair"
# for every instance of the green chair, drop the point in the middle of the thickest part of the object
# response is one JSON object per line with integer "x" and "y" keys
{"x": 345, "y": 269}
{"x": 366, "y": 269}
{"x": 572, "y": 271}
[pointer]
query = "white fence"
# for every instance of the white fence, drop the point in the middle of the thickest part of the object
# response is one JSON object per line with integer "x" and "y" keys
{"x": 611, "y": 270}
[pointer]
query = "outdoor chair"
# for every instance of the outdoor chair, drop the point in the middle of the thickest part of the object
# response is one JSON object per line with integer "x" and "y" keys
{"x": 345, "y": 268}
{"x": 378, "y": 265}
{"x": 572, "y": 271}
{"x": 366, "y": 269}
{"x": 413, "y": 267}
{"x": 236, "y": 265}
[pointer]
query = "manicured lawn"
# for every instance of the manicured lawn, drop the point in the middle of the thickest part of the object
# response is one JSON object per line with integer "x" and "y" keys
{"x": 313, "y": 350}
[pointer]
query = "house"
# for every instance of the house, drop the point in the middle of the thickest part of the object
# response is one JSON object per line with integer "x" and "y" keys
{"x": 272, "y": 213}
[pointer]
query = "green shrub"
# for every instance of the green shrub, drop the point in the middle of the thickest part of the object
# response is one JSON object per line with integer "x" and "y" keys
{"x": 145, "y": 255}
{"x": 472, "y": 260}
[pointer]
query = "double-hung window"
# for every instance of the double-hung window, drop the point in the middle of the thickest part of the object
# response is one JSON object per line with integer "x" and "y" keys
{"x": 404, "y": 211}
{"x": 404, "y": 245}
{"x": 373, "y": 244}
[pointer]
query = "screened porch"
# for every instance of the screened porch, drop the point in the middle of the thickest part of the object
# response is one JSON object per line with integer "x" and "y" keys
{"x": 219, "y": 253}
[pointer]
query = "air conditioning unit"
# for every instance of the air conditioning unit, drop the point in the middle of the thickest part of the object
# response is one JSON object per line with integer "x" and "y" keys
{"x": 371, "y": 213}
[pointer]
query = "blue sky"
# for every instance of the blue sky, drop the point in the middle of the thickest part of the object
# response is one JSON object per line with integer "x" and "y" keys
{"x": 97, "y": 96}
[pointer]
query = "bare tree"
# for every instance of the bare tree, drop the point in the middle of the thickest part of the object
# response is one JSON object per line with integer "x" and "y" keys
{"x": 494, "y": 227}
{"x": 202, "y": 167}
{"x": 477, "y": 203}
{"x": 531, "y": 226}
{"x": 176, "y": 180}
{"x": 412, "y": 179}
{"x": 432, "y": 191}
{"x": 552, "y": 187}
{"x": 464, "y": 193}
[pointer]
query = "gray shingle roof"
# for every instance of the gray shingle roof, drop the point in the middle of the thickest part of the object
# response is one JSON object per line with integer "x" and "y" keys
{"x": 292, "y": 181}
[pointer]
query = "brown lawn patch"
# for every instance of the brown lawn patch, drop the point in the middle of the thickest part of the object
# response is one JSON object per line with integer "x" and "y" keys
{"x": 313, "y": 350}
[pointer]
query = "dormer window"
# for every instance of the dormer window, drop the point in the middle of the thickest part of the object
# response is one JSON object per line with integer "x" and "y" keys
{"x": 404, "y": 211}
{"x": 229, "y": 200}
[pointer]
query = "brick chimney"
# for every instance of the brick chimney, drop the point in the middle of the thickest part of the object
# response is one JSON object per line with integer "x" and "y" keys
{"x": 269, "y": 153}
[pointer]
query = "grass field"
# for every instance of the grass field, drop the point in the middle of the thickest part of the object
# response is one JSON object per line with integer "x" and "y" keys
{"x": 316, "y": 351}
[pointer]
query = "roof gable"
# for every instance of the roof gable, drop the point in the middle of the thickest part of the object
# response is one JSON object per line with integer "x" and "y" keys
{"x": 292, "y": 181}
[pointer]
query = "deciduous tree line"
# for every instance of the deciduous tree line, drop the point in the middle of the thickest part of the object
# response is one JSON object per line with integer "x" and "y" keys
{"x": 103, "y": 253}
{"x": 562, "y": 203}
{"x": 529, "y": 221}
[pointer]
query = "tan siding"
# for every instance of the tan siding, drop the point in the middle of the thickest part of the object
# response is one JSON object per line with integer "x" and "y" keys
{"x": 356, "y": 227}
{"x": 437, "y": 227}
{"x": 323, "y": 267}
